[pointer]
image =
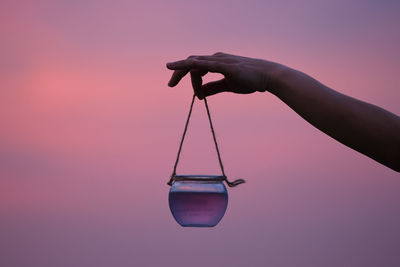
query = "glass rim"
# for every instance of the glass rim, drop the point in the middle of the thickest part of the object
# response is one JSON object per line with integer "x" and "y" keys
{"x": 193, "y": 177}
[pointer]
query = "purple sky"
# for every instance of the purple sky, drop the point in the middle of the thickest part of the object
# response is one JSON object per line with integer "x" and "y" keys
{"x": 90, "y": 130}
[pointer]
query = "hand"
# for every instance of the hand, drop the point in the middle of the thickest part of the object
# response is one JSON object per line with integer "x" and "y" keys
{"x": 242, "y": 75}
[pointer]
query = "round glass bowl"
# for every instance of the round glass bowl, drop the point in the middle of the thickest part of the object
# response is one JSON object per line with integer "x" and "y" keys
{"x": 198, "y": 200}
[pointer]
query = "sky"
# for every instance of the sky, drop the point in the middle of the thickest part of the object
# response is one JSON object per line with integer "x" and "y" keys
{"x": 90, "y": 130}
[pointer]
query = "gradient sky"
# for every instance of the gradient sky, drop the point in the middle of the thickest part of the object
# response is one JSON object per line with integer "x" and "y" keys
{"x": 90, "y": 130}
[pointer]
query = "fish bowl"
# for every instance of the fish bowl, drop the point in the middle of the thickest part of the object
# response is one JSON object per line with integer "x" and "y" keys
{"x": 198, "y": 200}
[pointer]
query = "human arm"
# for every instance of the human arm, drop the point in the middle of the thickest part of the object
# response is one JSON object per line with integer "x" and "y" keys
{"x": 364, "y": 127}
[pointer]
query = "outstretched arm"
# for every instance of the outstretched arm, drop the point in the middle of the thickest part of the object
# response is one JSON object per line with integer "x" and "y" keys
{"x": 364, "y": 127}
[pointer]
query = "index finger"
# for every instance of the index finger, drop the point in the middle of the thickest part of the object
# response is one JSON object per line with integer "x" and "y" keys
{"x": 188, "y": 64}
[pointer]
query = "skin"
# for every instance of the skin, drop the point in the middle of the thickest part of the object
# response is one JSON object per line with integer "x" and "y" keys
{"x": 364, "y": 127}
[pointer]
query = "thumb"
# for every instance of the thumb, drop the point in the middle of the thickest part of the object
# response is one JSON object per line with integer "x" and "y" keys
{"x": 213, "y": 88}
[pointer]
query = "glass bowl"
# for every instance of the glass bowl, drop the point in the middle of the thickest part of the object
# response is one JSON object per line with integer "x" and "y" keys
{"x": 198, "y": 200}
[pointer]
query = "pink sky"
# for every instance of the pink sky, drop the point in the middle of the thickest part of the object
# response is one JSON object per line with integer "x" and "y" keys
{"x": 90, "y": 131}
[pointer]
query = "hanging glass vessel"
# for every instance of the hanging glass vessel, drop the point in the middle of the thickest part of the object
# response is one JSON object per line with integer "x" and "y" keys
{"x": 199, "y": 200}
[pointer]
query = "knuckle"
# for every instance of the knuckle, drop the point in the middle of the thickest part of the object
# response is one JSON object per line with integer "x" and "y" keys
{"x": 218, "y": 54}
{"x": 193, "y": 63}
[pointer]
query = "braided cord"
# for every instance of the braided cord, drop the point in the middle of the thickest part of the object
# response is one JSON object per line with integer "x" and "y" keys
{"x": 183, "y": 178}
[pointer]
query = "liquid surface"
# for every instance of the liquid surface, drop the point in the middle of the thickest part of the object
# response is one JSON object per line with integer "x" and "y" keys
{"x": 198, "y": 209}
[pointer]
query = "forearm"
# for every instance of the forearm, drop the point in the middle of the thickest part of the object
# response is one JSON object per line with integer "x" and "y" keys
{"x": 366, "y": 128}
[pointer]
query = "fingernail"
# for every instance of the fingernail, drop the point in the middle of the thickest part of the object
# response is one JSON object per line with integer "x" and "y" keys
{"x": 169, "y": 65}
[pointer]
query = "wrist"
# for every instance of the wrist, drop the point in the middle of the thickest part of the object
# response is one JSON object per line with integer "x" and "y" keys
{"x": 276, "y": 77}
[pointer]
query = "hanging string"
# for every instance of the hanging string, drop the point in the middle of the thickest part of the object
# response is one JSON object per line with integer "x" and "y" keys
{"x": 183, "y": 138}
{"x": 230, "y": 184}
{"x": 191, "y": 178}
{"x": 215, "y": 140}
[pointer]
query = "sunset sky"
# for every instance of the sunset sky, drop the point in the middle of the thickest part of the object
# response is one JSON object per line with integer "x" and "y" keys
{"x": 89, "y": 132}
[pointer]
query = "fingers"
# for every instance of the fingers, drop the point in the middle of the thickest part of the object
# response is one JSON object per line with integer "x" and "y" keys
{"x": 213, "y": 88}
{"x": 197, "y": 66}
{"x": 180, "y": 73}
